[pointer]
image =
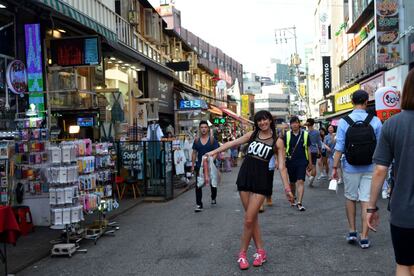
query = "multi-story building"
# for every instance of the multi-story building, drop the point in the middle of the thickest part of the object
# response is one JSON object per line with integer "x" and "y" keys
{"x": 368, "y": 43}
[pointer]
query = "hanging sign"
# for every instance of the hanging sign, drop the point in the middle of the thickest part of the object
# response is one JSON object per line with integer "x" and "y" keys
{"x": 387, "y": 102}
{"x": 388, "y": 26}
{"x": 34, "y": 65}
{"x": 16, "y": 77}
{"x": 76, "y": 51}
{"x": 327, "y": 75}
{"x": 219, "y": 121}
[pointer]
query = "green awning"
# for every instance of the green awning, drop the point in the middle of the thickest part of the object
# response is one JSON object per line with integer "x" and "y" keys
{"x": 83, "y": 19}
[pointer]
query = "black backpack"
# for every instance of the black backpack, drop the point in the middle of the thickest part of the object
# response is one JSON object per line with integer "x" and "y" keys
{"x": 360, "y": 141}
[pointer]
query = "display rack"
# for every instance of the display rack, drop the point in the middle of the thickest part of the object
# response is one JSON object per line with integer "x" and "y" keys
{"x": 31, "y": 156}
{"x": 64, "y": 197}
{"x": 5, "y": 173}
{"x": 103, "y": 190}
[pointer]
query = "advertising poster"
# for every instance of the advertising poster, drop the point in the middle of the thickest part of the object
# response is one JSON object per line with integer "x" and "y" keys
{"x": 34, "y": 65}
{"x": 245, "y": 106}
{"x": 387, "y": 26}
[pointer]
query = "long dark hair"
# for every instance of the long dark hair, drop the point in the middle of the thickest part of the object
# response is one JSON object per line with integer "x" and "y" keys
{"x": 263, "y": 115}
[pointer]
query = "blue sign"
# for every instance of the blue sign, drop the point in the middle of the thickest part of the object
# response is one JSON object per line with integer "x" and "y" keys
{"x": 85, "y": 122}
{"x": 192, "y": 104}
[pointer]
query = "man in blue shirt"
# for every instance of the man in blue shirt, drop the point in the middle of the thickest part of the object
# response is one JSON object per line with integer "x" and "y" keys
{"x": 357, "y": 179}
{"x": 203, "y": 144}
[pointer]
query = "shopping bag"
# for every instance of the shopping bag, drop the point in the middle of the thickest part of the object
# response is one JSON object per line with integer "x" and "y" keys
{"x": 200, "y": 178}
{"x": 333, "y": 185}
{"x": 214, "y": 172}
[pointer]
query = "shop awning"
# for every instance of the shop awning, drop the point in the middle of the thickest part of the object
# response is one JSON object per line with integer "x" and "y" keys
{"x": 335, "y": 115}
{"x": 83, "y": 19}
{"x": 235, "y": 116}
{"x": 215, "y": 110}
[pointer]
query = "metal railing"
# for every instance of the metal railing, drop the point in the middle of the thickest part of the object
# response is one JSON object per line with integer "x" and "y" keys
{"x": 115, "y": 23}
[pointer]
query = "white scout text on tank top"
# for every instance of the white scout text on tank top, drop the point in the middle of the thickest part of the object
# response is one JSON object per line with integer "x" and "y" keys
{"x": 259, "y": 149}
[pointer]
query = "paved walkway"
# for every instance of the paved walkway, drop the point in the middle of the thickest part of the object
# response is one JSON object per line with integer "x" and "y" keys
{"x": 170, "y": 239}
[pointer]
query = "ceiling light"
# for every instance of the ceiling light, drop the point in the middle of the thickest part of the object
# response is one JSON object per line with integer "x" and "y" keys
{"x": 2, "y": 6}
{"x": 119, "y": 61}
{"x": 127, "y": 64}
{"x": 109, "y": 62}
{"x": 74, "y": 129}
{"x": 112, "y": 58}
{"x": 61, "y": 30}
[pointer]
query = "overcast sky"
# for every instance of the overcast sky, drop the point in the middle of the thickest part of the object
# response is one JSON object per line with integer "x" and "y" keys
{"x": 244, "y": 29}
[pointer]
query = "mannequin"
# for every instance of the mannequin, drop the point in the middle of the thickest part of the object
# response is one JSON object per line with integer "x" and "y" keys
{"x": 154, "y": 135}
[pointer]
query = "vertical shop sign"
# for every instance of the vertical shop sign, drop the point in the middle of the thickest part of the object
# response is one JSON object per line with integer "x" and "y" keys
{"x": 245, "y": 105}
{"x": 327, "y": 75}
{"x": 324, "y": 42}
{"x": 34, "y": 65}
{"x": 387, "y": 26}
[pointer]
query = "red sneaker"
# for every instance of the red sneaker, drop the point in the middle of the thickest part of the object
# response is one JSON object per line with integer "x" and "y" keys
{"x": 243, "y": 263}
{"x": 260, "y": 257}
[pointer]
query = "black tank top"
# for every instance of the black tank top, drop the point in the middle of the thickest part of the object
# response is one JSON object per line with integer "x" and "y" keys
{"x": 261, "y": 149}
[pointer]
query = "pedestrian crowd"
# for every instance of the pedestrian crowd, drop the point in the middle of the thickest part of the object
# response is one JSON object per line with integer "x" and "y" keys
{"x": 358, "y": 151}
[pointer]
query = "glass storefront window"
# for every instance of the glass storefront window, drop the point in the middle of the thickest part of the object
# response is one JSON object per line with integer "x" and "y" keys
{"x": 70, "y": 88}
{"x": 7, "y": 34}
{"x": 117, "y": 77}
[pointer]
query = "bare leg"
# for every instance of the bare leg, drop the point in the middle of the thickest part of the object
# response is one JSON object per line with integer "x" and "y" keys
{"x": 250, "y": 222}
{"x": 293, "y": 188}
{"x": 403, "y": 270}
{"x": 350, "y": 214}
{"x": 325, "y": 161}
{"x": 245, "y": 198}
{"x": 365, "y": 229}
{"x": 301, "y": 190}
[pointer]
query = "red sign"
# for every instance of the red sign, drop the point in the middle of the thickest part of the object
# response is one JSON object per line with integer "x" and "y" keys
{"x": 391, "y": 99}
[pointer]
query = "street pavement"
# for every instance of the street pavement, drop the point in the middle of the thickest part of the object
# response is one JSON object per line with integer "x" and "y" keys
{"x": 170, "y": 239}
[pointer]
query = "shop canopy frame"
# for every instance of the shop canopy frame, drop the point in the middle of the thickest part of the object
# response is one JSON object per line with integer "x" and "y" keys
{"x": 230, "y": 113}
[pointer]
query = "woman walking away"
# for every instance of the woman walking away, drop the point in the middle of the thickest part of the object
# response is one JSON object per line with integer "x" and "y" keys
{"x": 252, "y": 181}
{"x": 323, "y": 160}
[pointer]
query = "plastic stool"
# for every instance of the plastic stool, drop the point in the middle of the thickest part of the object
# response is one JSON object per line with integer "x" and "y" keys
{"x": 24, "y": 219}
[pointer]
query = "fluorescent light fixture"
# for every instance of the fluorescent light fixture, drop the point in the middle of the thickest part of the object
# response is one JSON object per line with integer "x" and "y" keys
{"x": 74, "y": 129}
{"x": 112, "y": 58}
{"x": 61, "y": 31}
{"x": 2, "y": 6}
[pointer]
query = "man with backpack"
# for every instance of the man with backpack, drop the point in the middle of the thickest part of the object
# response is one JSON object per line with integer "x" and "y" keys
{"x": 356, "y": 138}
{"x": 203, "y": 144}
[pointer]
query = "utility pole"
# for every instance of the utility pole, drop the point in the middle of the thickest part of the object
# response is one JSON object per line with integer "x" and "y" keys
{"x": 282, "y": 35}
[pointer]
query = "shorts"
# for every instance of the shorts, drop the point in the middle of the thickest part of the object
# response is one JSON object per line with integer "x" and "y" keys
{"x": 315, "y": 156}
{"x": 403, "y": 243}
{"x": 296, "y": 172}
{"x": 357, "y": 186}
